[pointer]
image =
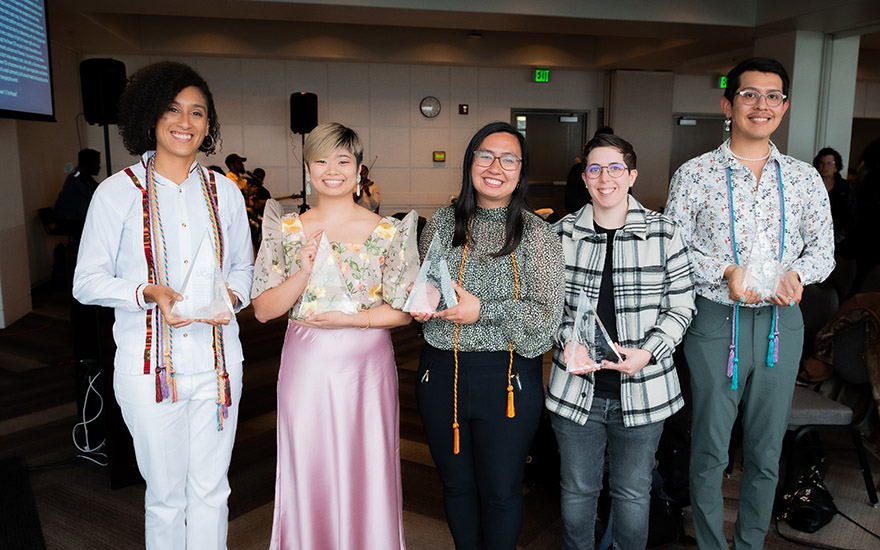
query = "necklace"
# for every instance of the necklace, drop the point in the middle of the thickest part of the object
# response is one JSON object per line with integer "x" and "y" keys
{"x": 765, "y": 157}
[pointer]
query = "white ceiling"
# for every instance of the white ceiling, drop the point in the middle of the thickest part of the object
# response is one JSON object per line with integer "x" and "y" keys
{"x": 686, "y": 36}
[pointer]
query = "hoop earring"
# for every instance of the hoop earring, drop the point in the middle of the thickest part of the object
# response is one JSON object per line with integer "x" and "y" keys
{"x": 151, "y": 133}
{"x": 308, "y": 184}
{"x": 727, "y": 125}
{"x": 208, "y": 147}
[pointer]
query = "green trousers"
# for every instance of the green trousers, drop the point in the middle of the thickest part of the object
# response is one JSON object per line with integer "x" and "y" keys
{"x": 764, "y": 395}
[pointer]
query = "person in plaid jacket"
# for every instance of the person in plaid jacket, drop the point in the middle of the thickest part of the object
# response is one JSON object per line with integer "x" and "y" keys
{"x": 632, "y": 264}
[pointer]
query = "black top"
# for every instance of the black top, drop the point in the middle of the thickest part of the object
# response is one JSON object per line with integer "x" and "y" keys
{"x": 576, "y": 194}
{"x": 607, "y": 381}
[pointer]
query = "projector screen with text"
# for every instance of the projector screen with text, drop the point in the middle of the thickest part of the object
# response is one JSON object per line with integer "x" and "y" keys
{"x": 25, "y": 74}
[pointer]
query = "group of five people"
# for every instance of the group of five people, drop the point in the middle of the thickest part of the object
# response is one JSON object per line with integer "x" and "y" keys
{"x": 480, "y": 389}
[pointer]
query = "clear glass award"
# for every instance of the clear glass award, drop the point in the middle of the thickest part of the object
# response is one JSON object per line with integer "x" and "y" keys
{"x": 590, "y": 343}
{"x": 326, "y": 289}
{"x": 762, "y": 269}
{"x": 432, "y": 291}
{"x": 204, "y": 289}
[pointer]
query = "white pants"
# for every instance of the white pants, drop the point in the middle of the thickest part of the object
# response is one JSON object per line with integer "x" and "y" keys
{"x": 182, "y": 456}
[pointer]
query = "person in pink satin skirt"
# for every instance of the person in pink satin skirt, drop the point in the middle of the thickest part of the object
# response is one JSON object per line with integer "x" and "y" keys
{"x": 337, "y": 484}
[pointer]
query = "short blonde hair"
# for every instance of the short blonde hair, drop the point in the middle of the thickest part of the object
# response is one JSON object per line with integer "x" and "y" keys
{"x": 325, "y": 138}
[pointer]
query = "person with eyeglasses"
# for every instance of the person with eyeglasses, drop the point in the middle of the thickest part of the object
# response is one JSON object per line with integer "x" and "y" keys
{"x": 480, "y": 379}
{"x": 746, "y": 209}
{"x": 632, "y": 264}
{"x": 843, "y": 201}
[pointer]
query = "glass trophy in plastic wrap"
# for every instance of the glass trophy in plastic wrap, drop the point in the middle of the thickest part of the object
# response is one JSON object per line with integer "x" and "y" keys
{"x": 432, "y": 291}
{"x": 590, "y": 343}
{"x": 326, "y": 289}
{"x": 204, "y": 289}
{"x": 762, "y": 269}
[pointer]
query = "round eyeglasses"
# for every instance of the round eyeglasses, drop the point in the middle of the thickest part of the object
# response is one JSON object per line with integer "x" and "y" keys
{"x": 509, "y": 162}
{"x": 615, "y": 170}
{"x": 751, "y": 97}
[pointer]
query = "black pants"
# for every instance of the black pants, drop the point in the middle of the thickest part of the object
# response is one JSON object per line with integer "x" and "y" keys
{"x": 482, "y": 485}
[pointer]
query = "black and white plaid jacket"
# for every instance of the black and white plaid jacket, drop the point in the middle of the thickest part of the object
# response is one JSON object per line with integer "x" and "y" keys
{"x": 653, "y": 301}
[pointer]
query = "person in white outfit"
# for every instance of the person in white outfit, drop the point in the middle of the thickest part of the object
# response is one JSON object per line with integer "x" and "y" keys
{"x": 177, "y": 379}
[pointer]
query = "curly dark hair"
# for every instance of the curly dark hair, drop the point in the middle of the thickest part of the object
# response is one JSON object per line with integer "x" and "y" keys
{"x": 824, "y": 152}
{"x": 147, "y": 96}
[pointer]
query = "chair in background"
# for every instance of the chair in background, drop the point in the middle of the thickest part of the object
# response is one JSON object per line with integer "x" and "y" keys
{"x": 50, "y": 225}
{"x": 871, "y": 281}
{"x": 843, "y": 277}
{"x": 818, "y": 304}
{"x": 812, "y": 412}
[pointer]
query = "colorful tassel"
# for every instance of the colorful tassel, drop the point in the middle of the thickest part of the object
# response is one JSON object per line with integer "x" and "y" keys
{"x": 730, "y": 359}
{"x": 456, "y": 447}
{"x": 773, "y": 337}
{"x": 159, "y": 390}
{"x": 733, "y": 357}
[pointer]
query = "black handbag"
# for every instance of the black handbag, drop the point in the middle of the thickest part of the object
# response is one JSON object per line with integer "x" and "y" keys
{"x": 810, "y": 507}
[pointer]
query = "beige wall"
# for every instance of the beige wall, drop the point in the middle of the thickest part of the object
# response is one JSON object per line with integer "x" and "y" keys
{"x": 380, "y": 101}
{"x": 43, "y": 149}
{"x": 15, "y": 288}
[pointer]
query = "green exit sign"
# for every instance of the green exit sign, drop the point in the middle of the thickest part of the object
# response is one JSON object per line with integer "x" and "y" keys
{"x": 722, "y": 81}
{"x": 542, "y": 74}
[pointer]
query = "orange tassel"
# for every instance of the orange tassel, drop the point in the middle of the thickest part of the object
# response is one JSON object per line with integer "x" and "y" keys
{"x": 455, "y": 443}
{"x": 511, "y": 412}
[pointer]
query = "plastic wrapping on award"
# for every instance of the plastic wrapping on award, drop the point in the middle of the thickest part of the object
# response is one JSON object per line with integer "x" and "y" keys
{"x": 762, "y": 268}
{"x": 432, "y": 290}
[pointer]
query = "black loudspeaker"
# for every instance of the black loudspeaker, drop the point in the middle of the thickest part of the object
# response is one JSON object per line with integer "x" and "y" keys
{"x": 102, "y": 83}
{"x": 303, "y": 112}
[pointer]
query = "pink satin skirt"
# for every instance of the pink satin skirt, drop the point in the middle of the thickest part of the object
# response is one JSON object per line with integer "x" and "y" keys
{"x": 337, "y": 484}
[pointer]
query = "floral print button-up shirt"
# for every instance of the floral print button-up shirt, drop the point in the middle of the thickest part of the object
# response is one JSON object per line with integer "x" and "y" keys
{"x": 699, "y": 201}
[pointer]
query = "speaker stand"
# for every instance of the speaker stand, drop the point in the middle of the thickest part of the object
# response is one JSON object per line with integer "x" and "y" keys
{"x": 107, "y": 148}
{"x": 304, "y": 206}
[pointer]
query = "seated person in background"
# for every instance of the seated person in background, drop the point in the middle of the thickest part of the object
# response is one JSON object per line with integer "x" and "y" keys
{"x": 843, "y": 204}
{"x": 73, "y": 201}
{"x": 367, "y": 192}
{"x": 255, "y": 197}
{"x": 236, "y": 172}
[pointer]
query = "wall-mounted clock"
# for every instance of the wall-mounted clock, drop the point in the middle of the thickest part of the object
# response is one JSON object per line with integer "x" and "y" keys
{"x": 429, "y": 107}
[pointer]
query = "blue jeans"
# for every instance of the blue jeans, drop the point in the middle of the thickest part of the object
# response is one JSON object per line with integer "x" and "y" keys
{"x": 631, "y": 456}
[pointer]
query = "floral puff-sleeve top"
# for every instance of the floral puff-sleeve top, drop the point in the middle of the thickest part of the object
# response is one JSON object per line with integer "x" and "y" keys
{"x": 377, "y": 271}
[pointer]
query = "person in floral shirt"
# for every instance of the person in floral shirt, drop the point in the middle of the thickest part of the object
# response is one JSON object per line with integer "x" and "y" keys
{"x": 340, "y": 273}
{"x": 758, "y": 228}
